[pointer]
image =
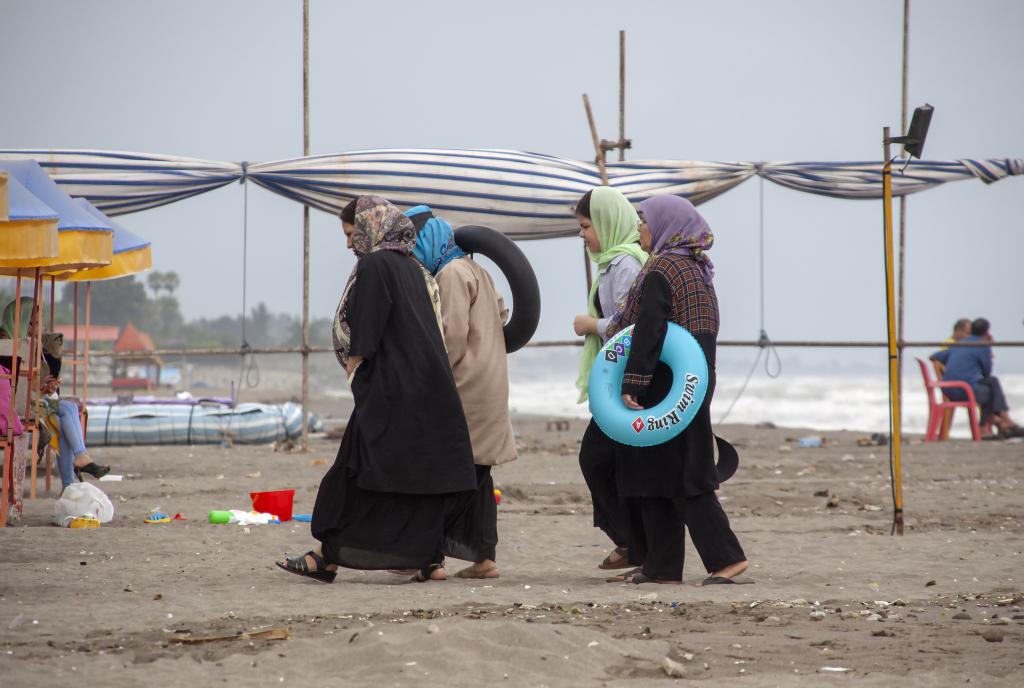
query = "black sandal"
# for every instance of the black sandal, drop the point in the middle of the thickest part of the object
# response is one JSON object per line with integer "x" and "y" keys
{"x": 639, "y": 578}
{"x": 94, "y": 469}
{"x": 299, "y": 567}
{"x": 621, "y": 563}
{"x": 722, "y": 580}
{"x": 622, "y": 577}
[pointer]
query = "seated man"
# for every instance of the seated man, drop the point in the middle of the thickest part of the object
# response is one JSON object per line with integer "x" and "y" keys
{"x": 973, "y": 365}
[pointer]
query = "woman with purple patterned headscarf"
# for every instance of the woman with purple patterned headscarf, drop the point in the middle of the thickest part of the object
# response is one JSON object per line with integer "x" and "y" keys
{"x": 404, "y": 475}
{"x": 671, "y": 486}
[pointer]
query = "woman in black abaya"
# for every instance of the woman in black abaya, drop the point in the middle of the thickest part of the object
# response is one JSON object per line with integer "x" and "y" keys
{"x": 404, "y": 474}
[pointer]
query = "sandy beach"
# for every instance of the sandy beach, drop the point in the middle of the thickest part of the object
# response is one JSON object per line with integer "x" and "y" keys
{"x": 834, "y": 599}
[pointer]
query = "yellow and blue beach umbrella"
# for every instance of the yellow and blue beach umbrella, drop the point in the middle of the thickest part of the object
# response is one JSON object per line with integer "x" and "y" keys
{"x": 83, "y": 241}
{"x": 28, "y": 227}
{"x": 132, "y": 254}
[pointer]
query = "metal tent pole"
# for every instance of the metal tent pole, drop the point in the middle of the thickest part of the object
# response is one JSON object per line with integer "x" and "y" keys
{"x": 895, "y": 445}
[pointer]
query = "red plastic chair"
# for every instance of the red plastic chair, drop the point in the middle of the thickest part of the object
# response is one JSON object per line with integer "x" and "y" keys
{"x": 939, "y": 404}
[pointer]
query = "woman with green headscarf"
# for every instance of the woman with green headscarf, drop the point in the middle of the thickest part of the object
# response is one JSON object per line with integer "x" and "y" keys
{"x": 7, "y": 320}
{"x": 609, "y": 226}
{"x": 57, "y": 417}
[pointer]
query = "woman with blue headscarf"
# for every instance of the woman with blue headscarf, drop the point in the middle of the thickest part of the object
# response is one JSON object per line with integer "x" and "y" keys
{"x": 473, "y": 314}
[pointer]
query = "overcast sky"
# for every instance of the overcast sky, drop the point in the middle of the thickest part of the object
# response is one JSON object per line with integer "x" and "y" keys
{"x": 742, "y": 80}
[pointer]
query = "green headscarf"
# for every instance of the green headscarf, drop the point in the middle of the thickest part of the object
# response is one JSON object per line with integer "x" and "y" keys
{"x": 7, "y": 320}
{"x": 617, "y": 226}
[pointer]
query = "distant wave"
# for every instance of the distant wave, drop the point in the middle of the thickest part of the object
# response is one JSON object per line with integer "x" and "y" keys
{"x": 817, "y": 402}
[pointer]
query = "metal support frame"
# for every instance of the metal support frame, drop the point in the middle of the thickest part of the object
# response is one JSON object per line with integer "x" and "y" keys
{"x": 895, "y": 421}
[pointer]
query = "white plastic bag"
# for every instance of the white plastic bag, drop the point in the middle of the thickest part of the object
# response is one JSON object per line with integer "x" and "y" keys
{"x": 82, "y": 499}
{"x": 251, "y": 518}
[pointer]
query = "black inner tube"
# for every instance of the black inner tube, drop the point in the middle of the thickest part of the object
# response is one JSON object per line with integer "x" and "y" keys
{"x": 521, "y": 278}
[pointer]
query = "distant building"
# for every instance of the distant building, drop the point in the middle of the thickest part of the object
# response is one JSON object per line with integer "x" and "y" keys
{"x": 140, "y": 369}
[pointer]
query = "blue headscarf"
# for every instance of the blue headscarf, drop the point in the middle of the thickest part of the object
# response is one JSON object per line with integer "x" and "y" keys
{"x": 435, "y": 241}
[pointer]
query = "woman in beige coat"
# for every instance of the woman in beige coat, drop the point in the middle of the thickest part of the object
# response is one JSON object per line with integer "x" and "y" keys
{"x": 473, "y": 315}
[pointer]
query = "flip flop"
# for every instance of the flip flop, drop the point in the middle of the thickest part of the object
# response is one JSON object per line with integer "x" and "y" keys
{"x": 621, "y": 563}
{"x": 640, "y": 578}
{"x": 722, "y": 580}
{"x": 157, "y": 517}
{"x": 621, "y": 578}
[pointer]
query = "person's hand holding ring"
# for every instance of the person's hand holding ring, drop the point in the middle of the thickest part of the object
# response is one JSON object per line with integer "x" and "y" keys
{"x": 630, "y": 401}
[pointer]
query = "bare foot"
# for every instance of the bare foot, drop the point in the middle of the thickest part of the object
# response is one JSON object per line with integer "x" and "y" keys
{"x": 82, "y": 460}
{"x": 732, "y": 570}
{"x": 481, "y": 569}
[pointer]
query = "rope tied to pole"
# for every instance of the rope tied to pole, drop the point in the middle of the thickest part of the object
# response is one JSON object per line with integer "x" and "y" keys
{"x": 764, "y": 343}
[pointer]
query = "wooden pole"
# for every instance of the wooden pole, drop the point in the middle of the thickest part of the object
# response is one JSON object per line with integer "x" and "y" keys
{"x": 622, "y": 95}
{"x": 305, "y": 231}
{"x": 6, "y": 494}
{"x": 890, "y": 303}
{"x": 903, "y": 199}
{"x": 34, "y": 377}
{"x": 597, "y": 141}
{"x": 599, "y": 151}
{"x": 53, "y": 299}
{"x": 74, "y": 343}
{"x": 85, "y": 346}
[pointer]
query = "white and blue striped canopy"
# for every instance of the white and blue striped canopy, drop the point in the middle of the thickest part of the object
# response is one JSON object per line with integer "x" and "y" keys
{"x": 118, "y": 183}
{"x": 525, "y": 195}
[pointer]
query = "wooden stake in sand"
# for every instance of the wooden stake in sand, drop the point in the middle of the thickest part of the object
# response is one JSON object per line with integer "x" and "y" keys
{"x": 602, "y": 146}
{"x": 269, "y": 634}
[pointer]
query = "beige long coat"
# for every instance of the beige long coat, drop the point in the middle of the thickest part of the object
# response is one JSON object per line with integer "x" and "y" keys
{"x": 473, "y": 315}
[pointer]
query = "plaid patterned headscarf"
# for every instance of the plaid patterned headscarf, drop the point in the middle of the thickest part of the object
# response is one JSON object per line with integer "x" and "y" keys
{"x": 380, "y": 226}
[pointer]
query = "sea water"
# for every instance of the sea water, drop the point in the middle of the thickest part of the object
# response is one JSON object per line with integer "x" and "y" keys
{"x": 808, "y": 394}
{"x": 838, "y": 391}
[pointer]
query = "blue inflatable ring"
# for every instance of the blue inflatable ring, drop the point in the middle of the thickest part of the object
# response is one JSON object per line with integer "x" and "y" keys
{"x": 662, "y": 422}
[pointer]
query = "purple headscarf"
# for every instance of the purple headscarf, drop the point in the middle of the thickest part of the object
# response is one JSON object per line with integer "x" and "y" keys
{"x": 677, "y": 228}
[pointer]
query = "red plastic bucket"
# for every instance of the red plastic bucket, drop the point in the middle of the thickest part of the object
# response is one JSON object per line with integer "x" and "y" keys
{"x": 278, "y": 503}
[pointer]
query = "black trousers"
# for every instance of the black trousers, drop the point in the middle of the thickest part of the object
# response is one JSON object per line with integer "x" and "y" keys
{"x": 474, "y": 535}
{"x": 487, "y": 513}
{"x": 597, "y": 461}
{"x": 658, "y": 536}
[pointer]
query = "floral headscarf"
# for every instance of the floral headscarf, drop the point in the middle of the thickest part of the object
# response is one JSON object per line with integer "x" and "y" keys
{"x": 379, "y": 226}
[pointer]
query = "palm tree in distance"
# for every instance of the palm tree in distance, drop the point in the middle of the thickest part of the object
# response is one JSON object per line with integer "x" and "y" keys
{"x": 163, "y": 281}
{"x": 171, "y": 282}
{"x": 155, "y": 281}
